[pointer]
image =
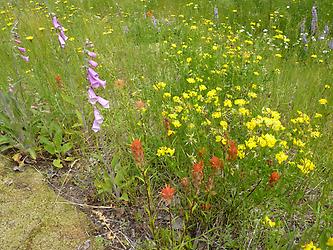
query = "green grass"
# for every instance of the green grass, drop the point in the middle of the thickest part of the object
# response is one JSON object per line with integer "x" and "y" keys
{"x": 229, "y": 55}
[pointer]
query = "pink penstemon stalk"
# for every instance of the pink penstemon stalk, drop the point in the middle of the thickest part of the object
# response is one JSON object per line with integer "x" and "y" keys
{"x": 95, "y": 83}
{"x": 62, "y": 38}
{"x": 17, "y": 41}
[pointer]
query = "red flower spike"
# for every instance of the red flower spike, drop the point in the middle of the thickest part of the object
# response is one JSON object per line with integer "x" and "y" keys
{"x": 167, "y": 193}
{"x": 137, "y": 151}
{"x": 275, "y": 176}
{"x": 232, "y": 151}
{"x": 216, "y": 163}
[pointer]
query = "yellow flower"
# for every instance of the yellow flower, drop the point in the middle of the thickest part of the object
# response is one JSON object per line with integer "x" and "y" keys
{"x": 278, "y": 55}
{"x": 329, "y": 242}
{"x": 162, "y": 151}
{"x": 224, "y": 125}
{"x": 310, "y": 246}
{"x": 269, "y": 222}
{"x": 218, "y": 138}
{"x": 244, "y": 111}
{"x": 216, "y": 114}
{"x": 251, "y": 143}
{"x": 262, "y": 142}
{"x": 227, "y": 103}
{"x": 190, "y": 80}
{"x": 306, "y": 166}
{"x": 240, "y": 102}
{"x": 281, "y": 157}
{"x": 298, "y": 143}
{"x": 317, "y": 115}
{"x": 160, "y": 85}
{"x": 270, "y": 139}
{"x": 176, "y": 123}
{"x": 252, "y": 95}
{"x": 251, "y": 124}
{"x": 170, "y": 132}
{"x": 166, "y": 95}
{"x": 202, "y": 87}
{"x": 323, "y": 101}
{"x": 29, "y": 38}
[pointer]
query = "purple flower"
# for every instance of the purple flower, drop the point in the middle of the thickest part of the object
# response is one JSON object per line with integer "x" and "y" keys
{"x": 55, "y": 22}
{"x": 61, "y": 41}
{"x": 92, "y": 72}
{"x": 91, "y": 54}
{"x": 216, "y": 12}
{"x": 25, "y": 58}
{"x": 62, "y": 34}
{"x": 21, "y": 49}
{"x": 96, "y": 82}
{"x": 93, "y": 63}
{"x": 97, "y": 121}
{"x": 105, "y": 103}
{"x": 93, "y": 98}
{"x": 314, "y": 22}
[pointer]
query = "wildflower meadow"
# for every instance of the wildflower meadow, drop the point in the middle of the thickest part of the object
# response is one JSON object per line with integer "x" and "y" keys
{"x": 178, "y": 124}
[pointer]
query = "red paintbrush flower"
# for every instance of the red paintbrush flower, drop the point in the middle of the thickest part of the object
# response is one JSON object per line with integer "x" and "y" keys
{"x": 167, "y": 193}
{"x": 216, "y": 163}
{"x": 232, "y": 151}
{"x": 137, "y": 151}
{"x": 275, "y": 176}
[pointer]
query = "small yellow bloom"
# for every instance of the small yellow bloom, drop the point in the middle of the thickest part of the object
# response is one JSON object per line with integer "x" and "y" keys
{"x": 251, "y": 143}
{"x": 281, "y": 157}
{"x": 323, "y": 101}
{"x": 310, "y": 246}
{"x": 224, "y": 125}
{"x": 29, "y": 38}
{"x": 190, "y": 80}
{"x": 269, "y": 222}
{"x": 227, "y": 103}
{"x": 329, "y": 242}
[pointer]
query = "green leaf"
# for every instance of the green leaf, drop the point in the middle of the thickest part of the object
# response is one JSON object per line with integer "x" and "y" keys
{"x": 57, "y": 163}
{"x": 124, "y": 197}
{"x": 50, "y": 148}
{"x": 44, "y": 140}
{"x": 57, "y": 140}
{"x": 4, "y": 139}
{"x": 66, "y": 147}
{"x": 32, "y": 153}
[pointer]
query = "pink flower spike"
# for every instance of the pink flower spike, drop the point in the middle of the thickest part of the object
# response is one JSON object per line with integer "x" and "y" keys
{"x": 21, "y": 49}
{"x": 103, "y": 102}
{"x": 62, "y": 34}
{"x": 91, "y": 54}
{"x": 93, "y": 63}
{"x": 25, "y": 58}
{"x": 55, "y": 22}
{"x": 98, "y": 117}
{"x": 93, "y": 98}
{"x": 61, "y": 41}
{"x": 17, "y": 41}
{"x": 96, "y": 126}
{"x": 92, "y": 73}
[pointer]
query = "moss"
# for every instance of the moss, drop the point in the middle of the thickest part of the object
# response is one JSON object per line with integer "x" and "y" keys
{"x": 32, "y": 216}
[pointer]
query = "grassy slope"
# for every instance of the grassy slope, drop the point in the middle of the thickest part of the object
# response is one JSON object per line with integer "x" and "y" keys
{"x": 136, "y": 58}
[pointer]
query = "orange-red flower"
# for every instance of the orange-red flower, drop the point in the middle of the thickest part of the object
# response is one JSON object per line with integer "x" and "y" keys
{"x": 216, "y": 163}
{"x": 275, "y": 176}
{"x": 167, "y": 193}
{"x": 197, "y": 173}
{"x": 232, "y": 151}
{"x": 137, "y": 151}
